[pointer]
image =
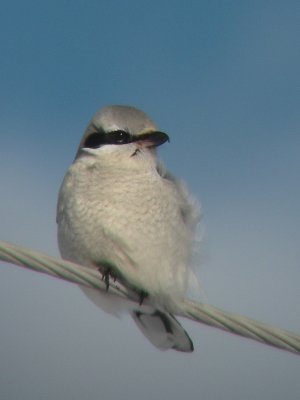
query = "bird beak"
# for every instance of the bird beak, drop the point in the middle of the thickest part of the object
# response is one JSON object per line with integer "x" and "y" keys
{"x": 152, "y": 139}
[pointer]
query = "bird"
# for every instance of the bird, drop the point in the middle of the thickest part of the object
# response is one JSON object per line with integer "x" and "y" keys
{"x": 121, "y": 212}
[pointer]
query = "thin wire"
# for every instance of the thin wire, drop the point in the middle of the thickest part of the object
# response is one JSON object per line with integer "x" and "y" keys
{"x": 202, "y": 313}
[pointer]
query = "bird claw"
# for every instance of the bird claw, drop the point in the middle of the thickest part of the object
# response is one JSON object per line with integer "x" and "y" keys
{"x": 142, "y": 295}
{"x": 107, "y": 273}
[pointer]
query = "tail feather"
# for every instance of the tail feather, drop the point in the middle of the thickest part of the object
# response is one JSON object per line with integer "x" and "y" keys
{"x": 163, "y": 330}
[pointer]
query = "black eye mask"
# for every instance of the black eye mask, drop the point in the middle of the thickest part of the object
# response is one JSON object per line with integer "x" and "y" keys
{"x": 98, "y": 139}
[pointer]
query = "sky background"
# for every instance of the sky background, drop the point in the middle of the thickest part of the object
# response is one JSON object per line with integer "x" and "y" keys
{"x": 222, "y": 79}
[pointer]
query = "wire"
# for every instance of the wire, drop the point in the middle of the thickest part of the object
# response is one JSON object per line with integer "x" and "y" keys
{"x": 202, "y": 313}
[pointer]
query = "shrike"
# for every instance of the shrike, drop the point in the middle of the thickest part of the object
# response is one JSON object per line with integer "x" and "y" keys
{"x": 120, "y": 211}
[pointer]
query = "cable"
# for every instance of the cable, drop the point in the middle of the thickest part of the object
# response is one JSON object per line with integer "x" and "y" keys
{"x": 202, "y": 313}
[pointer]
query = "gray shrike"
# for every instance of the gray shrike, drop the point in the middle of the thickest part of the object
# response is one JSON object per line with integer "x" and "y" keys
{"x": 120, "y": 211}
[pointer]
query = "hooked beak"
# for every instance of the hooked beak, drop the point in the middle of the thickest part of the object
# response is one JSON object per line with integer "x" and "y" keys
{"x": 152, "y": 139}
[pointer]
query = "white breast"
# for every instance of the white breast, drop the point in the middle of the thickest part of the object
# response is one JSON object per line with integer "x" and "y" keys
{"x": 134, "y": 221}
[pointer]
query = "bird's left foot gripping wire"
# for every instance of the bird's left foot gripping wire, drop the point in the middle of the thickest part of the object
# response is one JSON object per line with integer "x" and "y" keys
{"x": 142, "y": 296}
{"x": 107, "y": 272}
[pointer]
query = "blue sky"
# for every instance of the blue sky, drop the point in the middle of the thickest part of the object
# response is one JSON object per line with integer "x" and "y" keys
{"x": 222, "y": 79}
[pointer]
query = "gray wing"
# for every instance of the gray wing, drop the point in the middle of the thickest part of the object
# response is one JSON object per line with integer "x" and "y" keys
{"x": 189, "y": 206}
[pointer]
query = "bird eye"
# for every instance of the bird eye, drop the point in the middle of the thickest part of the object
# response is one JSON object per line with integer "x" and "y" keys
{"x": 94, "y": 140}
{"x": 118, "y": 137}
{"x": 98, "y": 139}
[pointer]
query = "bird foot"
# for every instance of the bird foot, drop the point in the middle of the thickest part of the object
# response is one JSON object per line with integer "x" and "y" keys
{"x": 107, "y": 274}
{"x": 143, "y": 295}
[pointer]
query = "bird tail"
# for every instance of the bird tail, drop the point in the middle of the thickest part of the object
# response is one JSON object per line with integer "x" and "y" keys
{"x": 163, "y": 330}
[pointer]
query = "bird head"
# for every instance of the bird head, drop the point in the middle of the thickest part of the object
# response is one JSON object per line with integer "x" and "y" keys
{"x": 118, "y": 134}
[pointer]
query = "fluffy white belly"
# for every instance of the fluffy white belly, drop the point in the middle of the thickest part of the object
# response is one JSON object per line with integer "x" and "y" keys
{"x": 133, "y": 223}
